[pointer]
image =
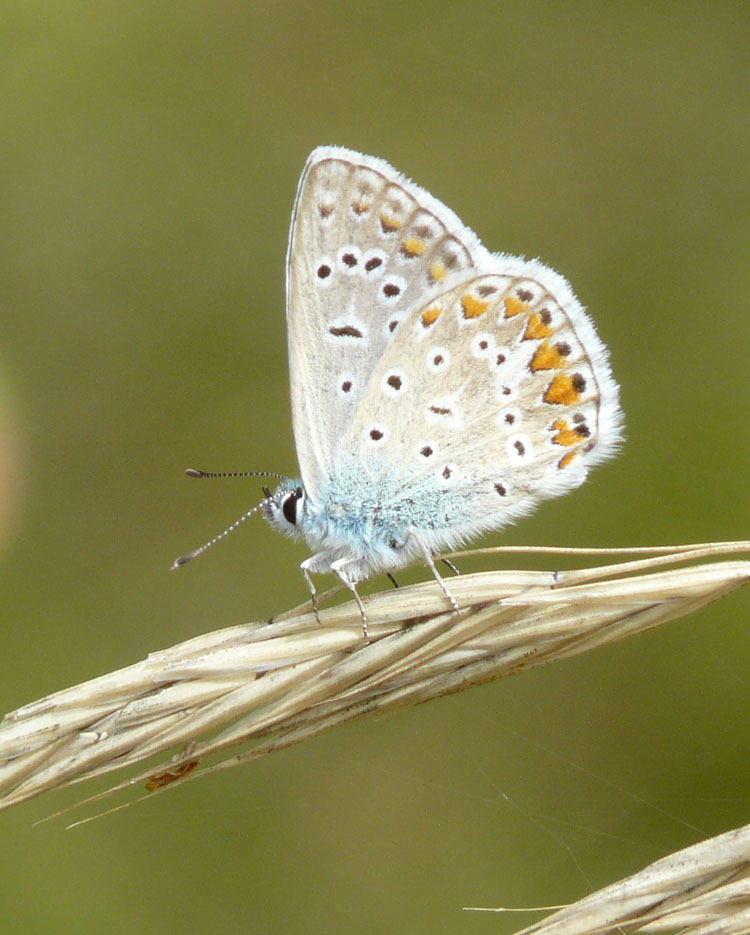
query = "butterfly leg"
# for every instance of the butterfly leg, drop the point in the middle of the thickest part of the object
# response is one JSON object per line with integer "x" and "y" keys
{"x": 339, "y": 568}
{"x": 431, "y": 565}
{"x": 311, "y": 586}
{"x": 450, "y": 565}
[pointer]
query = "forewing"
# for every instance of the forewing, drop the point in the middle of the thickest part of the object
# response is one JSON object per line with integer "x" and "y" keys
{"x": 499, "y": 388}
{"x": 366, "y": 245}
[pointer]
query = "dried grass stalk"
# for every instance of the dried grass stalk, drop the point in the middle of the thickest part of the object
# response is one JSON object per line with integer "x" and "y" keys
{"x": 270, "y": 685}
{"x": 702, "y": 890}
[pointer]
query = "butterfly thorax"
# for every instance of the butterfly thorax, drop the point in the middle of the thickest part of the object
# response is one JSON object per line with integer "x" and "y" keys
{"x": 374, "y": 515}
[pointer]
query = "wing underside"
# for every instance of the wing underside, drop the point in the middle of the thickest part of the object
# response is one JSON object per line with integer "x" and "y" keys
{"x": 365, "y": 246}
{"x": 411, "y": 345}
{"x": 495, "y": 394}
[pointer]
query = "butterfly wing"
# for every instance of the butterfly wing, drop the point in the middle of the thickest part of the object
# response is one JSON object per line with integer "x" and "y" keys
{"x": 493, "y": 395}
{"x": 365, "y": 246}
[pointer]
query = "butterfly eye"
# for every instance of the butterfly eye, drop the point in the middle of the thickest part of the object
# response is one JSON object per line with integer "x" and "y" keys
{"x": 289, "y": 506}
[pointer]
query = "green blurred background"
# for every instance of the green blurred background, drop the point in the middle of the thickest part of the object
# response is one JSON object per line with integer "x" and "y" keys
{"x": 149, "y": 156}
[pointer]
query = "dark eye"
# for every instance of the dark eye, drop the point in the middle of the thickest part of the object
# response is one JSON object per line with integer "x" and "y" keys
{"x": 289, "y": 506}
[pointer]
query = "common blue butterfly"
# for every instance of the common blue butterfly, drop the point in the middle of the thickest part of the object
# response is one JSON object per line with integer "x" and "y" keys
{"x": 438, "y": 390}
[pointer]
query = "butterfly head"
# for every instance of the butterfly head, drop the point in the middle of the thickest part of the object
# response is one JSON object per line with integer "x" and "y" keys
{"x": 283, "y": 508}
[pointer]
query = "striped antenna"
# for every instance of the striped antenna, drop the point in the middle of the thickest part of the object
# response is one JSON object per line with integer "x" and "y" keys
{"x": 184, "y": 559}
{"x": 194, "y": 472}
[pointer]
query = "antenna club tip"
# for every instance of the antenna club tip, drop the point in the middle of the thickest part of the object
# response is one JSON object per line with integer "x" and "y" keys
{"x": 182, "y": 560}
{"x": 194, "y": 472}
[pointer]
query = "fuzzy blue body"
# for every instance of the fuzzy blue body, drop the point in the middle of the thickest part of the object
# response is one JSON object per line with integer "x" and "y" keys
{"x": 372, "y": 517}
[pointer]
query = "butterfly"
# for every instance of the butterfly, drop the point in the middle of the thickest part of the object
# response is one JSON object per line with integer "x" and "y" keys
{"x": 438, "y": 390}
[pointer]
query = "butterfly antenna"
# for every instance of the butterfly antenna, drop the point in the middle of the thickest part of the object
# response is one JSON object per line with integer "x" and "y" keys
{"x": 184, "y": 559}
{"x": 194, "y": 472}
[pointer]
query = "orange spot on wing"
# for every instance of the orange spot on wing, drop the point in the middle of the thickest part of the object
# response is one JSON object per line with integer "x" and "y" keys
{"x": 389, "y": 223}
{"x": 472, "y": 307}
{"x": 565, "y": 390}
{"x": 438, "y": 272}
{"x": 546, "y": 358}
{"x": 566, "y": 459}
{"x": 535, "y": 329}
{"x": 514, "y": 306}
{"x": 430, "y": 315}
{"x": 412, "y": 246}
{"x": 361, "y": 206}
{"x": 565, "y": 435}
